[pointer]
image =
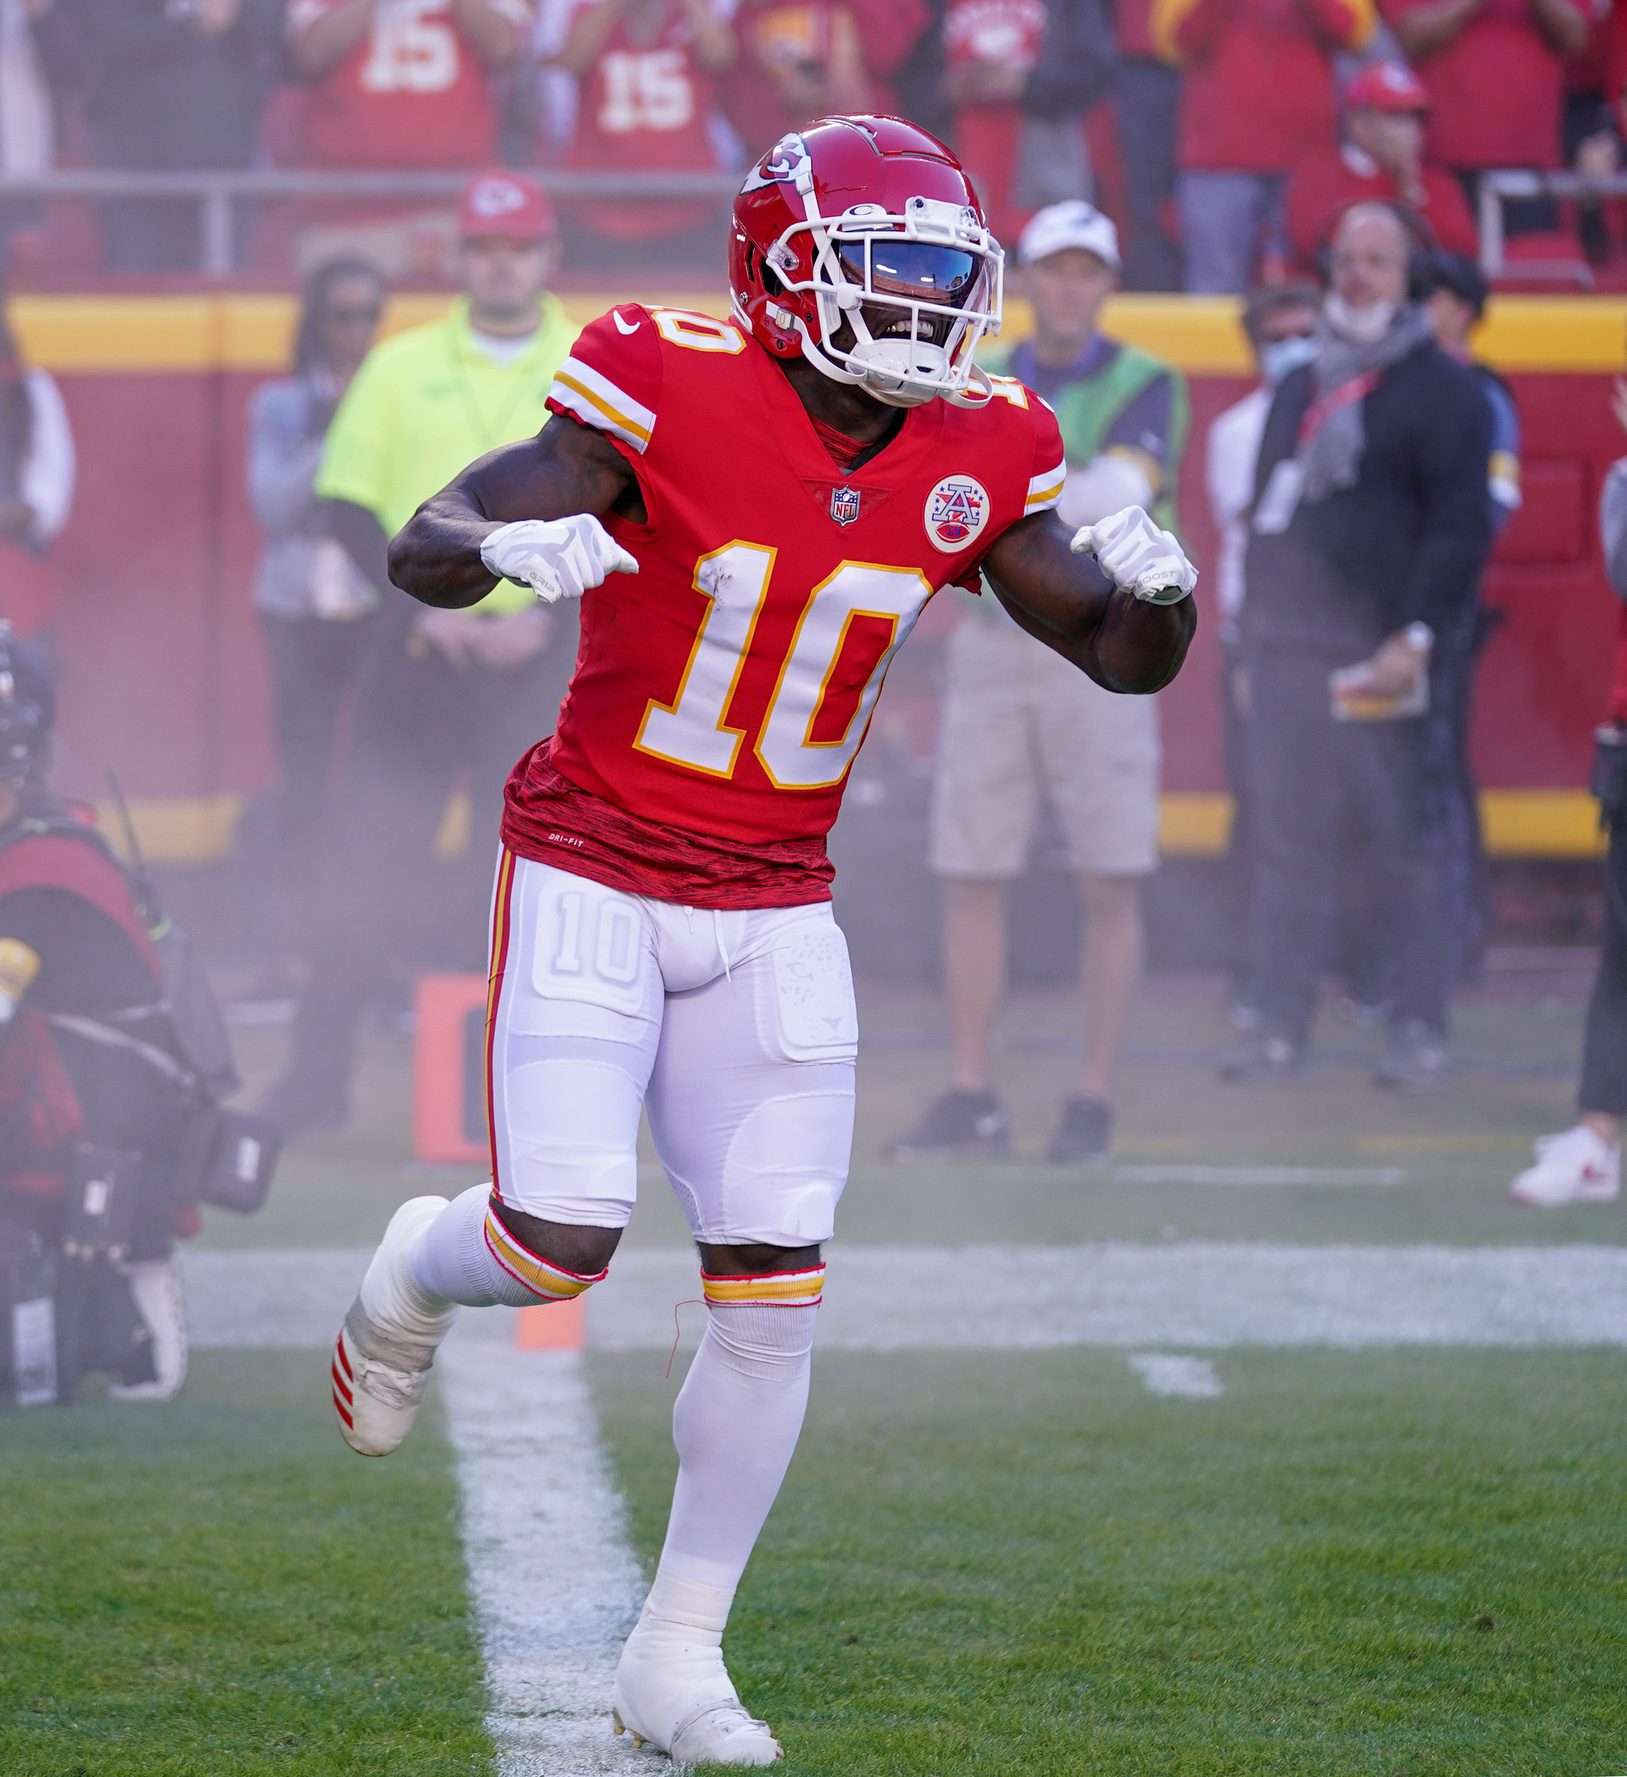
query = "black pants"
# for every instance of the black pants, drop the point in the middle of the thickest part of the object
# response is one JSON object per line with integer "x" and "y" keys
{"x": 315, "y": 668}
{"x": 1604, "y": 1054}
{"x": 1148, "y": 95}
{"x": 1312, "y": 781}
{"x": 421, "y": 728}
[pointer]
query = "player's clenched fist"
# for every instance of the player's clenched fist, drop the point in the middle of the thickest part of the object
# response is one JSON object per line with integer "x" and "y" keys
{"x": 1137, "y": 556}
{"x": 558, "y": 558}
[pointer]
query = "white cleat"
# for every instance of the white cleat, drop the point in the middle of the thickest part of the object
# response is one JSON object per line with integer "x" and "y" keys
{"x": 382, "y": 1357}
{"x": 1576, "y": 1166}
{"x": 673, "y": 1692}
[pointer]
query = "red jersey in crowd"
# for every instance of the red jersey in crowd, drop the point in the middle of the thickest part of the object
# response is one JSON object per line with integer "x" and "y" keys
{"x": 645, "y": 104}
{"x": 1007, "y": 35}
{"x": 1326, "y": 185}
{"x": 722, "y": 692}
{"x": 1496, "y": 90}
{"x": 1258, "y": 95}
{"x": 413, "y": 93}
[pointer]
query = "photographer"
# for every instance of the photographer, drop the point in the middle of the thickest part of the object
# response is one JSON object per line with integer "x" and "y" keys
{"x": 1582, "y": 1164}
{"x": 109, "y": 1081}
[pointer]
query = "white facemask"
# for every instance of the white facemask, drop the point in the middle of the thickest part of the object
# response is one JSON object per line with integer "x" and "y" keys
{"x": 1279, "y": 356}
{"x": 1360, "y": 326}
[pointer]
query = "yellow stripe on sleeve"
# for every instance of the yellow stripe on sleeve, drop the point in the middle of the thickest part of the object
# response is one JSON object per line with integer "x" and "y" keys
{"x": 639, "y": 432}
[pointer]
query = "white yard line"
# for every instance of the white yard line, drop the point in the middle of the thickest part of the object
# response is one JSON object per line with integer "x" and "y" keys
{"x": 1174, "y": 1373}
{"x": 1153, "y": 1173}
{"x": 1181, "y": 1295}
{"x": 554, "y": 1582}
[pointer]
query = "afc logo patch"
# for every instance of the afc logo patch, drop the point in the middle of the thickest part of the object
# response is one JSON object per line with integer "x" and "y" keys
{"x": 844, "y": 504}
{"x": 957, "y": 510}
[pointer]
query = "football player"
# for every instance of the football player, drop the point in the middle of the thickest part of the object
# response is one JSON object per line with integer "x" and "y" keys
{"x": 754, "y": 512}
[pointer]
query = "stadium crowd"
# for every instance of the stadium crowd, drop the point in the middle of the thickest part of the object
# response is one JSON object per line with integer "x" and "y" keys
{"x": 1219, "y": 135}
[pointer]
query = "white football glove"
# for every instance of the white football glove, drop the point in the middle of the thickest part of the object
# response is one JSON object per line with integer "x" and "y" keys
{"x": 1137, "y": 556}
{"x": 558, "y": 558}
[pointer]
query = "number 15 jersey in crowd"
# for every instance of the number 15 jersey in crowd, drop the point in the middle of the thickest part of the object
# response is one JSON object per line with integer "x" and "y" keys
{"x": 722, "y": 692}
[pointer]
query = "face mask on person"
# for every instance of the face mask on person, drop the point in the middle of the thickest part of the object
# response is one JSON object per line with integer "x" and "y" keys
{"x": 1360, "y": 326}
{"x": 1279, "y": 356}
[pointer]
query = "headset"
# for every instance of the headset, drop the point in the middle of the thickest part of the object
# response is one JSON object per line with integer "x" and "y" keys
{"x": 1423, "y": 245}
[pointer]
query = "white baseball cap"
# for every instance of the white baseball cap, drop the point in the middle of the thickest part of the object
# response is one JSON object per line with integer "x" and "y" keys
{"x": 1073, "y": 223}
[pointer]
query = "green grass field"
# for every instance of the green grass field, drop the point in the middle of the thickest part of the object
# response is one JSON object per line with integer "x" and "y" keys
{"x": 1385, "y": 1561}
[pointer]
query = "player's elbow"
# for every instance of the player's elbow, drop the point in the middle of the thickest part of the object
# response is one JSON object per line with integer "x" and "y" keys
{"x": 1144, "y": 654}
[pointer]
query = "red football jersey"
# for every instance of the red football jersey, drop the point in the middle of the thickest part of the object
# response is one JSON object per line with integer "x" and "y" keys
{"x": 413, "y": 92}
{"x": 725, "y": 688}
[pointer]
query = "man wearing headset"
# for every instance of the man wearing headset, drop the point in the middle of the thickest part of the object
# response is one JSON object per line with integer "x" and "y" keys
{"x": 1368, "y": 531}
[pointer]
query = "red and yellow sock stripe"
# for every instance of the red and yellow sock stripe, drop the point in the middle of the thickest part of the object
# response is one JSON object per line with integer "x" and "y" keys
{"x": 547, "y": 1281}
{"x": 784, "y": 1289}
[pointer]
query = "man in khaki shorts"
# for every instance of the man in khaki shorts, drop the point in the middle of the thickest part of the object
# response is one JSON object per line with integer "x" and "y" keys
{"x": 1014, "y": 729}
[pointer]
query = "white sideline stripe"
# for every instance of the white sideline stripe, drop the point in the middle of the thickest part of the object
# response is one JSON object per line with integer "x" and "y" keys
{"x": 1152, "y": 1174}
{"x": 555, "y": 1585}
{"x": 1202, "y": 1294}
{"x": 1170, "y": 1373}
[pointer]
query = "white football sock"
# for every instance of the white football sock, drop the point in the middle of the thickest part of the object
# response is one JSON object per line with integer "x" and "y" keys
{"x": 452, "y": 1262}
{"x": 735, "y": 1423}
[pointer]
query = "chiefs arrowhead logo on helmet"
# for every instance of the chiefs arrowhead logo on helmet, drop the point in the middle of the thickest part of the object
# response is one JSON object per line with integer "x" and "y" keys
{"x": 860, "y": 245}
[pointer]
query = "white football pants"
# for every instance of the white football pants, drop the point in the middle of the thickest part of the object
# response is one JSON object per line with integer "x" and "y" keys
{"x": 737, "y": 1029}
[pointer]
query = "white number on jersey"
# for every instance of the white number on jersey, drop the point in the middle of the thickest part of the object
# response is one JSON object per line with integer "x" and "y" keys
{"x": 410, "y": 51}
{"x": 645, "y": 90}
{"x": 692, "y": 730}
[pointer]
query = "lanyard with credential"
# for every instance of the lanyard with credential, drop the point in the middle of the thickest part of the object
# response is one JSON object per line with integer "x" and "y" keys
{"x": 1358, "y": 388}
{"x": 487, "y": 438}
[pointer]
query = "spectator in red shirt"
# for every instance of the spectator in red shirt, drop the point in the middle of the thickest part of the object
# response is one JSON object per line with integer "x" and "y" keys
{"x": 646, "y": 99}
{"x": 403, "y": 83}
{"x": 1495, "y": 70}
{"x": 802, "y": 59}
{"x": 1258, "y": 99}
{"x": 1146, "y": 105}
{"x": 1382, "y": 156}
{"x": 1019, "y": 74}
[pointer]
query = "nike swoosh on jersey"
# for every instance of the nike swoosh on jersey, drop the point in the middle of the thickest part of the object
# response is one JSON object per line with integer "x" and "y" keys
{"x": 622, "y": 326}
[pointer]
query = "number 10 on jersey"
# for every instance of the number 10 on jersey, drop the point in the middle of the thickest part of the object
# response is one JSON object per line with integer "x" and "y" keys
{"x": 693, "y": 731}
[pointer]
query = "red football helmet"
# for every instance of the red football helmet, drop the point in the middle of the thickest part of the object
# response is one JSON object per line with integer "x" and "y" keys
{"x": 868, "y": 227}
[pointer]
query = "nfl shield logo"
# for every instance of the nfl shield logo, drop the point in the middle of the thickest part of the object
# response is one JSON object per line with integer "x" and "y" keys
{"x": 844, "y": 504}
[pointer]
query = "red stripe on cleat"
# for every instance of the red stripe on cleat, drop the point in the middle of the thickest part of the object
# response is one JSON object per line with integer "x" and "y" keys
{"x": 341, "y": 1387}
{"x": 343, "y": 1411}
{"x": 345, "y": 1361}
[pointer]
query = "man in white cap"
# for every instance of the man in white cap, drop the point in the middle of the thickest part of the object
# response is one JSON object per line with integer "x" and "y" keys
{"x": 1012, "y": 728}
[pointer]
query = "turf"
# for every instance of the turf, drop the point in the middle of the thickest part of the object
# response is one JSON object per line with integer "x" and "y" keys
{"x": 1377, "y": 1564}
{"x": 1457, "y": 1149}
{"x": 215, "y": 1588}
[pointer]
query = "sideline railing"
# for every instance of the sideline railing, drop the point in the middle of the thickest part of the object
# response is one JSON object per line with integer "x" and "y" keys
{"x": 1497, "y": 188}
{"x": 217, "y": 194}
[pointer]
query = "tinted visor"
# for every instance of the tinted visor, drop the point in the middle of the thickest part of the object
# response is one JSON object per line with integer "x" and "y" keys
{"x": 914, "y": 269}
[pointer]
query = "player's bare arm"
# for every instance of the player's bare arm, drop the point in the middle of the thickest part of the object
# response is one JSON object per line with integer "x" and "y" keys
{"x": 567, "y": 470}
{"x": 1123, "y": 641}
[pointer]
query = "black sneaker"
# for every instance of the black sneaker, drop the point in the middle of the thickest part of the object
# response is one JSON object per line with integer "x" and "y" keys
{"x": 1262, "y": 1058}
{"x": 1085, "y": 1132}
{"x": 1414, "y": 1060}
{"x": 966, "y": 1123}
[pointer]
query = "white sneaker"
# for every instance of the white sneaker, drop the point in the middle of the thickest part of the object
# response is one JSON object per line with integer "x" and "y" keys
{"x": 385, "y": 1348}
{"x": 155, "y": 1289}
{"x": 1576, "y": 1166}
{"x": 673, "y": 1690}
